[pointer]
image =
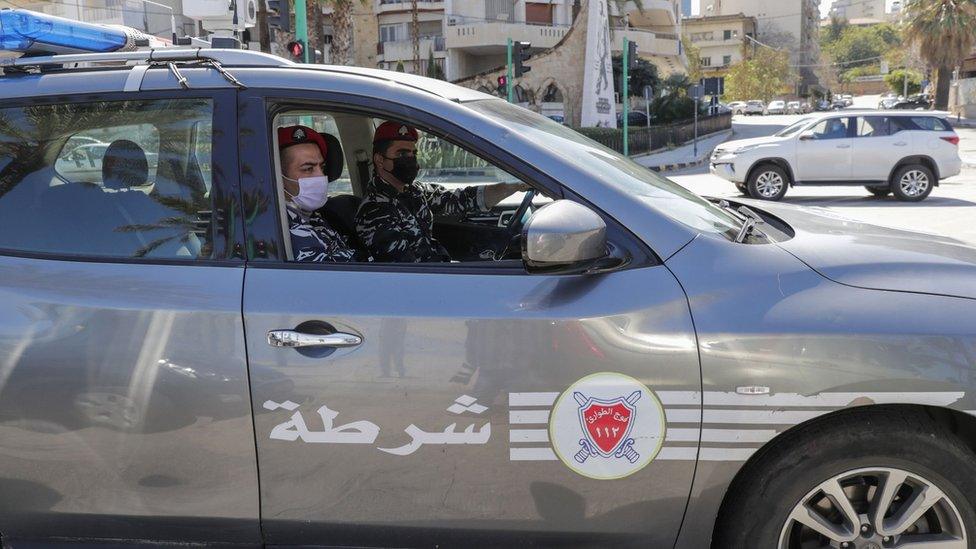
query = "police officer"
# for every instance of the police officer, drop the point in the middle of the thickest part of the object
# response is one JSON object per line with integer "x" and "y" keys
{"x": 302, "y": 154}
{"x": 396, "y": 218}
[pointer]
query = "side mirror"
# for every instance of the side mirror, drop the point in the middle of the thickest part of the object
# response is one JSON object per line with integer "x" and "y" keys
{"x": 806, "y": 136}
{"x": 564, "y": 237}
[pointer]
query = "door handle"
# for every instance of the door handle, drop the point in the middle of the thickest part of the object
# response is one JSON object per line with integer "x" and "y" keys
{"x": 900, "y": 143}
{"x": 843, "y": 146}
{"x": 292, "y": 338}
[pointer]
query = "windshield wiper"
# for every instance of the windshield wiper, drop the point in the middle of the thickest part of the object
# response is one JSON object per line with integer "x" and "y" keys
{"x": 750, "y": 220}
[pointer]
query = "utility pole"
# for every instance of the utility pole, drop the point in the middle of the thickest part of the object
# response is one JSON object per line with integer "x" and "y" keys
{"x": 624, "y": 75}
{"x": 301, "y": 27}
{"x": 415, "y": 36}
{"x": 509, "y": 76}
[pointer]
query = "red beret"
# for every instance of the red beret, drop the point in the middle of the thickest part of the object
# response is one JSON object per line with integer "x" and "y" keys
{"x": 296, "y": 135}
{"x": 394, "y": 131}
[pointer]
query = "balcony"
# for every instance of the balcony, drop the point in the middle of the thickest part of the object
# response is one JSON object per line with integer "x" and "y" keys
{"x": 648, "y": 43}
{"x": 394, "y": 6}
{"x": 490, "y": 38}
{"x": 402, "y": 50}
{"x": 657, "y": 13}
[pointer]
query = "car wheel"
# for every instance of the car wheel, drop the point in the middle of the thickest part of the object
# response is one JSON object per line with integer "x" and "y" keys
{"x": 880, "y": 192}
{"x": 885, "y": 477}
{"x": 912, "y": 183}
{"x": 767, "y": 182}
{"x": 742, "y": 188}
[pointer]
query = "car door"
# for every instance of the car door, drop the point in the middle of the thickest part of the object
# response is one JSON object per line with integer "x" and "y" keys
{"x": 823, "y": 153}
{"x": 123, "y": 381}
{"x": 877, "y": 148}
{"x": 430, "y": 418}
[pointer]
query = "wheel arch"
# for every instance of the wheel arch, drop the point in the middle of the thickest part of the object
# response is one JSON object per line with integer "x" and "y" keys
{"x": 922, "y": 159}
{"x": 776, "y": 161}
{"x": 957, "y": 422}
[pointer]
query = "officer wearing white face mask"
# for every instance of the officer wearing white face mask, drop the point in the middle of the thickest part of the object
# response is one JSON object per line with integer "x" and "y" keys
{"x": 303, "y": 152}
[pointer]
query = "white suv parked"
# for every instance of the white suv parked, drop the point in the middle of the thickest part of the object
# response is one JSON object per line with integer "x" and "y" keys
{"x": 905, "y": 153}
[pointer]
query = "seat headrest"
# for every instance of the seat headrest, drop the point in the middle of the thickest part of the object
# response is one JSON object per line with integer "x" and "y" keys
{"x": 124, "y": 165}
{"x": 333, "y": 157}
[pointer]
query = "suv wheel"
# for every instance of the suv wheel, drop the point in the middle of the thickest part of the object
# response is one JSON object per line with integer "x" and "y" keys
{"x": 767, "y": 182}
{"x": 886, "y": 477}
{"x": 878, "y": 191}
{"x": 912, "y": 183}
{"x": 742, "y": 188}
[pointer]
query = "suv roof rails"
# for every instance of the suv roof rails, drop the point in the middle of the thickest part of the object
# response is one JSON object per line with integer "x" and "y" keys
{"x": 225, "y": 57}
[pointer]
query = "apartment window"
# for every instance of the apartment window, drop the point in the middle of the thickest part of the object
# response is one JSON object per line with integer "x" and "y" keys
{"x": 729, "y": 34}
{"x": 392, "y": 33}
{"x": 500, "y": 10}
{"x": 726, "y": 60}
{"x": 706, "y": 61}
{"x": 538, "y": 14}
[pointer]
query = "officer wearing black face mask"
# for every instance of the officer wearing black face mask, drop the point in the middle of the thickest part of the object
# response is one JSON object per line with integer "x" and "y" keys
{"x": 396, "y": 218}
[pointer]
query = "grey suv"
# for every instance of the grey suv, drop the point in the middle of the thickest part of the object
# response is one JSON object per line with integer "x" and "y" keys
{"x": 610, "y": 361}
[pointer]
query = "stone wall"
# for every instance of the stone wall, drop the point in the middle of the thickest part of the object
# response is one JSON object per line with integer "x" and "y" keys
{"x": 561, "y": 66}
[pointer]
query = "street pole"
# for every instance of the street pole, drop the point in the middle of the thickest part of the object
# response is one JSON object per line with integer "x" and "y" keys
{"x": 301, "y": 27}
{"x": 904, "y": 88}
{"x": 696, "y": 127}
{"x": 509, "y": 75}
{"x": 626, "y": 105}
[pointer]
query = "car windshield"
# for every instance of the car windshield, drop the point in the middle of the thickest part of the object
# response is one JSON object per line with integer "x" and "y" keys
{"x": 793, "y": 128}
{"x": 612, "y": 168}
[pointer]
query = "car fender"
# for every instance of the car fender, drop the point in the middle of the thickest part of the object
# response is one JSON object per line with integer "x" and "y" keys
{"x": 777, "y": 160}
{"x": 922, "y": 159}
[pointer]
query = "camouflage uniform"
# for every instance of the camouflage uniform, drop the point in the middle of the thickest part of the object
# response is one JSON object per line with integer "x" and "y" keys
{"x": 399, "y": 227}
{"x": 313, "y": 240}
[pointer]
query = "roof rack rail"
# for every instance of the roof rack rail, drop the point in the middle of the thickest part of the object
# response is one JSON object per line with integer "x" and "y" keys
{"x": 225, "y": 57}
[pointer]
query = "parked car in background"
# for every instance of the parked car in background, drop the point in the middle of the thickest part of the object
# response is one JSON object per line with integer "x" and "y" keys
{"x": 793, "y": 107}
{"x": 848, "y": 99}
{"x": 754, "y": 106}
{"x": 634, "y": 118}
{"x": 920, "y": 101}
{"x": 889, "y": 101}
{"x": 738, "y": 107}
{"x": 822, "y": 105}
{"x": 897, "y": 152}
{"x": 838, "y": 103}
{"x": 776, "y": 107}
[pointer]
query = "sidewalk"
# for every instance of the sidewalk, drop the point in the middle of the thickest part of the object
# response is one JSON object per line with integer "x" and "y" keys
{"x": 683, "y": 156}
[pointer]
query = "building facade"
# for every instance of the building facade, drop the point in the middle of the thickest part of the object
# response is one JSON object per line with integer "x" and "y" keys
{"x": 154, "y": 20}
{"x": 783, "y": 24}
{"x": 858, "y": 9}
{"x": 722, "y": 40}
{"x": 468, "y": 37}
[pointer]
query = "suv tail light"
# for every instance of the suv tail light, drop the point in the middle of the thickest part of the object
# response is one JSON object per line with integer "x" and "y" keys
{"x": 954, "y": 139}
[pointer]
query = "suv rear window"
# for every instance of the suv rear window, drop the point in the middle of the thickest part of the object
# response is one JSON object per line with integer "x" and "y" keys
{"x": 929, "y": 123}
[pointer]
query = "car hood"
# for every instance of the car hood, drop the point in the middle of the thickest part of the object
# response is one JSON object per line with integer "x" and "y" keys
{"x": 733, "y": 145}
{"x": 869, "y": 256}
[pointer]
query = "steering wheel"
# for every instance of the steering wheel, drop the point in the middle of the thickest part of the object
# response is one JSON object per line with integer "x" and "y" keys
{"x": 516, "y": 223}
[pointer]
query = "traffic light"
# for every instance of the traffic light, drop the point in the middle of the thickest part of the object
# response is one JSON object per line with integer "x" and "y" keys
{"x": 520, "y": 54}
{"x": 296, "y": 50}
{"x": 279, "y": 15}
{"x": 502, "y": 85}
{"x": 631, "y": 55}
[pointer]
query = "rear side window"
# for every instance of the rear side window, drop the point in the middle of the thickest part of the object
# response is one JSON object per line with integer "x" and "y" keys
{"x": 126, "y": 179}
{"x": 872, "y": 126}
{"x": 926, "y": 123}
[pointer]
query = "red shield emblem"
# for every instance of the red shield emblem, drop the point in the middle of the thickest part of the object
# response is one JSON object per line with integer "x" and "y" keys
{"x": 607, "y": 423}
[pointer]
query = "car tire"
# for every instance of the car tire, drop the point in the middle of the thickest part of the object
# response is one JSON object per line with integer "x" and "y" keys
{"x": 878, "y": 191}
{"x": 912, "y": 183}
{"x": 742, "y": 188}
{"x": 818, "y": 469}
{"x": 768, "y": 182}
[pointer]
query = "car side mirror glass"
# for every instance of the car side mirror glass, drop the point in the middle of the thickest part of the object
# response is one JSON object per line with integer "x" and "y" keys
{"x": 806, "y": 136}
{"x": 565, "y": 237}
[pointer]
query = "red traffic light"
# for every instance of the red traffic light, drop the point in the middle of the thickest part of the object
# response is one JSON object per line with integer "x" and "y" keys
{"x": 502, "y": 81}
{"x": 296, "y": 49}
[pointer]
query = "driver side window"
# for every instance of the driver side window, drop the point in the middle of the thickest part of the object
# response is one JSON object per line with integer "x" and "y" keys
{"x": 831, "y": 128}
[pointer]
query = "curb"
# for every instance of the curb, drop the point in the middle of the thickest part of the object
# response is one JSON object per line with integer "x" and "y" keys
{"x": 692, "y": 164}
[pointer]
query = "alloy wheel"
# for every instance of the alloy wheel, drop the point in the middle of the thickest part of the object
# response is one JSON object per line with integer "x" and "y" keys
{"x": 914, "y": 183}
{"x": 874, "y": 508}
{"x": 769, "y": 184}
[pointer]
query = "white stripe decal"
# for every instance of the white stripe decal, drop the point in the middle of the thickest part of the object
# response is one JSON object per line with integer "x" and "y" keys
{"x": 531, "y": 454}
{"x": 773, "y": 417}
{"x": 528, "y": 435}
{"x": 721, "y": 435}
{"x": 677, "y": 453}
{"x": 683, "y": 416}
{"x": 726, "y": 454}
{"x": 532, "y": 399}
{"x": 520, "y": 417}
{"x": 717, "y": 398}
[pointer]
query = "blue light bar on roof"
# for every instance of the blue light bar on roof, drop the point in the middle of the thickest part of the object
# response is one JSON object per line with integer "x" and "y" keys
{"x": 32, "y": 32}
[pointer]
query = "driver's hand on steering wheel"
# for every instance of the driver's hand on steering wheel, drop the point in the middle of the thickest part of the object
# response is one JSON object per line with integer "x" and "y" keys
{"x": 497, "y": 192}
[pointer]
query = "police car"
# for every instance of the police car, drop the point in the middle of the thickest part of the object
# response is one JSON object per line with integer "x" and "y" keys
{"x": 644, "y": 367}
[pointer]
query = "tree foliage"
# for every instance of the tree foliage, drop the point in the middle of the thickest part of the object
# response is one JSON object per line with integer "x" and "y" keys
{"x": 896, "y": 81}
{"x": 851, "y": 47}
{"x": 763, "y": 76}
{"x": 644, "y": 74}
{"x": 943, "y": 30}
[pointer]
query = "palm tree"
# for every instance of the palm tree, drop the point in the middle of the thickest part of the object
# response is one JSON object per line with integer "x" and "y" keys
{"x": 342, "y": 30}
{"x": 943, "y": 30}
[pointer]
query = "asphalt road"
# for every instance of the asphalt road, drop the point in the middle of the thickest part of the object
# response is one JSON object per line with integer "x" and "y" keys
{"x": 950, "y": 210}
